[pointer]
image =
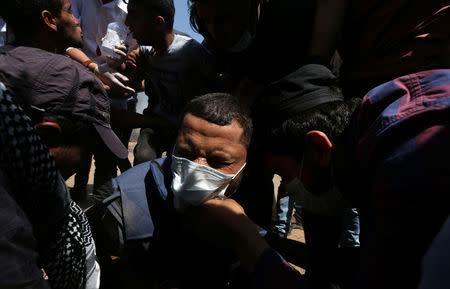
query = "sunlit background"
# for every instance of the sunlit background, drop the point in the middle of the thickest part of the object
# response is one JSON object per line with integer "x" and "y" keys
{"x": 182, "y": 19}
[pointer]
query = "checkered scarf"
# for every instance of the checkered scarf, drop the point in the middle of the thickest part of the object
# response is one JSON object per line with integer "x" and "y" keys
{"x": 60, "y": 226}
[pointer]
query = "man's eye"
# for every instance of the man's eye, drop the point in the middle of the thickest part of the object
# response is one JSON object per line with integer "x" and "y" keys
{"x": 217, "y": 164}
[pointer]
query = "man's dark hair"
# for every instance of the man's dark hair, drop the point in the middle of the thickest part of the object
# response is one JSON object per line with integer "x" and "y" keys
{"x": 165, "y": 8}
{"x": 24, "y": 16}
{"x": 196, "y": 24}
{"x": 222, "y": 109}
{"x": 330, "y": 118}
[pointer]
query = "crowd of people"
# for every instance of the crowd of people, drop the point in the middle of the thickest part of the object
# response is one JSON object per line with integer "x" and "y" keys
{"x": 347, "y": 101}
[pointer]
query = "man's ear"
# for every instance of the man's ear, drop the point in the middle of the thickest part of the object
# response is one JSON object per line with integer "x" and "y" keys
{"x": 50, "y": 132}
{"x": 49, "y": 20}
{"x": 160, "y": 21}
{"x": 319, "y": 147}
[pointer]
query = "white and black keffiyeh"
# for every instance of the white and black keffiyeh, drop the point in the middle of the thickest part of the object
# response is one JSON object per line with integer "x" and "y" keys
{"x": 61, "y": 227}
{"x": 69, "y": 251}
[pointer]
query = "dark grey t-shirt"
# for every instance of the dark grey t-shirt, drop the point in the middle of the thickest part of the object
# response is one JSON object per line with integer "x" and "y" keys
{"x": 177, "y": 76}
{"x": 281, "y": 42}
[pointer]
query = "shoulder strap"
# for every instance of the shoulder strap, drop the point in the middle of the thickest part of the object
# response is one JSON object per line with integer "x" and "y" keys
{"x": 111, "y": 205}
{"x": 158, "y": 174}
{"x": 158, "y": 181}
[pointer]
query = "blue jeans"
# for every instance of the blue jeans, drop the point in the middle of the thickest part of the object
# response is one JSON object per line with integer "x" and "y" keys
{"x": 282, "y": 223}
{"x": 285, "y": 205}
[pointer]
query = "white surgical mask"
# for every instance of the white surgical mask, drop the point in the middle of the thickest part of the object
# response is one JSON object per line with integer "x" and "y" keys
{"x": 329, "y": 203}
{"x": 193, "y": 184}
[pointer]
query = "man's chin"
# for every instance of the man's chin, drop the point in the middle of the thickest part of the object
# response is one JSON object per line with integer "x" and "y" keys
{"x": 80, "y": 44}
{"x": 77, "y": 43}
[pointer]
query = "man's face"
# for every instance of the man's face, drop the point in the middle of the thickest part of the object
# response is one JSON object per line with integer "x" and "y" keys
{"x": 225, "y": 21}
{"x": 211, "y": 145}
{"x": 68, "y": 26}
{"x": 67, "y": 159}
{"x": 141, "y": 23}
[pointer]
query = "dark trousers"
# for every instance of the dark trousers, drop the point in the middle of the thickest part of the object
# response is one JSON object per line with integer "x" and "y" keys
{"x": 105, "y": 170}
{"x": 322, "y": 235}
{"x": 328, "y": 264}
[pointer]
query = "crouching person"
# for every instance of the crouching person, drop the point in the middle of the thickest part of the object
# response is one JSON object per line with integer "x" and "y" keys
{"x": 141, "y": 234}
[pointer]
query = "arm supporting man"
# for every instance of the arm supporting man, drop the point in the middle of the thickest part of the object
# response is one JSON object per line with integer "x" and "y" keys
{"x": 115, "y": 83}
{"x": 224, "y": 223}
{"x": 79, "y": 56}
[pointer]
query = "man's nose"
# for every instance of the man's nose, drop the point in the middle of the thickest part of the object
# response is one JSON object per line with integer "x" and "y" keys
{"x": 76, "y": 20}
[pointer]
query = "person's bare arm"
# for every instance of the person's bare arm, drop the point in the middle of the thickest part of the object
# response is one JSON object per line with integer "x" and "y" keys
{"x": 135, "y": 69}
{"x": 114, "y": 83}
{"x": 79, "y": 56}
{"x": 327, "y": 28}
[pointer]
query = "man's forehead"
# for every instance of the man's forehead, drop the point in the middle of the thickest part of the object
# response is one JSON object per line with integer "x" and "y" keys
{"x": 192, "y": 123}
{"x": 65, "y": 3}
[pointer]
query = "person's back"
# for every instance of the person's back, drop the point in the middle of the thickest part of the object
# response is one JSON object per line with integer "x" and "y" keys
{"x": 29, "y": 71}
{"x": 175, "y": 77}
{"x": 400, "y": 137}
{"x": 404, "y": 36}
{"x": 19, "y": 255}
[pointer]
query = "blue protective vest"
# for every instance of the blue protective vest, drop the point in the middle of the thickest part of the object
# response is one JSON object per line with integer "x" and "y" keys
{"x": 134, "y": 188}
